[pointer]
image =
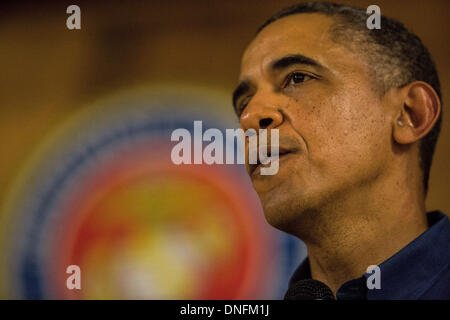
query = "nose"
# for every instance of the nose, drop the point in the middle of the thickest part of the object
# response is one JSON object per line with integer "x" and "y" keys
{"x": 261, "y": 116}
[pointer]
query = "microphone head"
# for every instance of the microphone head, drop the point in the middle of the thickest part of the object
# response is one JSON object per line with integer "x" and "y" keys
{"x": 309, "y": 289}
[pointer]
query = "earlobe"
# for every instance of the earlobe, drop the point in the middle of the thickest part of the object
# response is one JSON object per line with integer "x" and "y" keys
{"x": 420, "y": 111}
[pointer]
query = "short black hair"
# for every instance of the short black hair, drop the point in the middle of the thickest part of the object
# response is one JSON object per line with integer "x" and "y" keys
{"x": 396, "y": 56}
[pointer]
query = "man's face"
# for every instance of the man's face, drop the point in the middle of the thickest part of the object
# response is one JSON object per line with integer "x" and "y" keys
{"x": 332, "y": 123}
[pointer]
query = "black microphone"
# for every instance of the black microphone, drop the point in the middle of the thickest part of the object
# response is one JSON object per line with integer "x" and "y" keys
{"x": 309, "y": 289}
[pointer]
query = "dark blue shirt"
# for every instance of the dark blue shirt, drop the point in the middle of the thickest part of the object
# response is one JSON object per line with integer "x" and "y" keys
{"x": 421, "y": 270}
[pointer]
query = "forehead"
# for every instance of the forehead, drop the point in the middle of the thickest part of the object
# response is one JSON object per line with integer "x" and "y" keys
{"x": 305, "y": 34}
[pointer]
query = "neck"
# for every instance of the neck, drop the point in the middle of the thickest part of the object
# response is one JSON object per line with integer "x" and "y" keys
{"x": 362, "y": 228}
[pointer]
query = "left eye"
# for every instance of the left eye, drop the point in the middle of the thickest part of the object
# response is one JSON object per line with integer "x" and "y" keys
{"x": 296, "y": 78}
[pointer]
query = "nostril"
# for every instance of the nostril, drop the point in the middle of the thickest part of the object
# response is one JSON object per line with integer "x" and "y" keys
{"x": 264, "y": 123}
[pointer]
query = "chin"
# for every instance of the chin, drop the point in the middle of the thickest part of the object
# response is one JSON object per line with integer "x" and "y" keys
{"x": 280, "y": 210}
{"x": 287, "y": 208}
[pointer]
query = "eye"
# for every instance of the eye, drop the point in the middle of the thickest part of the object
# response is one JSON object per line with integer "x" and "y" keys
{"x": 296, "y": 78}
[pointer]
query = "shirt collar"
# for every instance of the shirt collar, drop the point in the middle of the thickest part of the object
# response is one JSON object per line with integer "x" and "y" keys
{"x": 407, "y": 274}
{"x": 413, "y": 270}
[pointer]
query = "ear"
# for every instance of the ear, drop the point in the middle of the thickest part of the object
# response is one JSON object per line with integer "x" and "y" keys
{"x": 419, "y": 112}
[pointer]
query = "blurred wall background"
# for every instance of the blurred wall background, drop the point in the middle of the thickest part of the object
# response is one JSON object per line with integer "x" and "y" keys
{"x": 49, "y": 73}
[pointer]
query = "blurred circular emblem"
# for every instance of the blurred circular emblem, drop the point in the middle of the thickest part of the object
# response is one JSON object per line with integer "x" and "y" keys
{"x": 103, "y": 194}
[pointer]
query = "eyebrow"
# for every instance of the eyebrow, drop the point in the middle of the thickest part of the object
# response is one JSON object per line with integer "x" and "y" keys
{"x": 278, "y": 64}
{"x": 289, "y": 60}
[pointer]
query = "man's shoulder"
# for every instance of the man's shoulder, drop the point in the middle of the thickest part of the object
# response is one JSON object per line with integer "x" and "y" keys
{"x": 440, "y": 288}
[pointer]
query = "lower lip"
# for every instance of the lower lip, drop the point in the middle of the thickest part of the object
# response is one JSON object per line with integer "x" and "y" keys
{"x": 257, "y": 170}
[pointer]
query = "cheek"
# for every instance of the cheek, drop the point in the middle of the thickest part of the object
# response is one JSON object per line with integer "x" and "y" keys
{"x": 343, "y": 131}
{"x": 361, "y": 125}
